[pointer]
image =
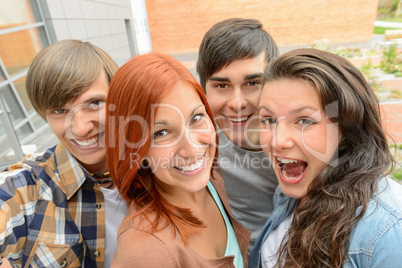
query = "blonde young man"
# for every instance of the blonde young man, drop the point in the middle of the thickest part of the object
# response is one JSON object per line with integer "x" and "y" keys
{"x": 231, "y": 62}
{"x": 60, "y": 208}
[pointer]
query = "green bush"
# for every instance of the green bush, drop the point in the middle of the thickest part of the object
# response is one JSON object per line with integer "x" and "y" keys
{"x": 391, "y": 62}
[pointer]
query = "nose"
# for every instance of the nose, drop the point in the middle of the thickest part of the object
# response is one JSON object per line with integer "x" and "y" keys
{"x": 81, "y": 123}
{"x": 282, "y": 136}
{"x": 194, "y": 141}
{"x": 237, "y": 100}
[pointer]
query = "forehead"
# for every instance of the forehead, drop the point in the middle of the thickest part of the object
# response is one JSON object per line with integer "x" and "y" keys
{"x": 181, "y": 100}
{"x": 98, "y": 90}
{"x": 288, "y": 94}
{"x": 243, "y": 67}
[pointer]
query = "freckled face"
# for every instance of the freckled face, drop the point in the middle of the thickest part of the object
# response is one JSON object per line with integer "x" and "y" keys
{"x": 296, "y": 134}
{"x": 183, "y": 142}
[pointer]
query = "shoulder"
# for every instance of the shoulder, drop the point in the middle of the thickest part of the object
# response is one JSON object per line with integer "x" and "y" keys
{"x": 29, "y": 163}
{"x": 380, "y": 229}
{"x": 27, "y": 172}
{"x": 138, "y": 247}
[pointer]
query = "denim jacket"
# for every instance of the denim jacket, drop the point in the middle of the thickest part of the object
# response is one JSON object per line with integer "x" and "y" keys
{"x": 376, "y": 240}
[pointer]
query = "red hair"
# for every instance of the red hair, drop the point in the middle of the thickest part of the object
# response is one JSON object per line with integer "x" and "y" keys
{"x": 140, "y": 83}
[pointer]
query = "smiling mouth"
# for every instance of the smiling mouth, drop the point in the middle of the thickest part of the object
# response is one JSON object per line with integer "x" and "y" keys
{"x": 291, "y": 169}
{"x": 89, "y": 142}
{"x": 191, "y": 167}
{"x": 238, "y": 119}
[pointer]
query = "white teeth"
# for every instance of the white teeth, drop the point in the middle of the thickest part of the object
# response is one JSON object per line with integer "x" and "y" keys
{"x": 289, "y": 177}
{"x": 286, "y": 161}
{"x": 241, "y": 119}
{"x": 191, "y": 167}
{"x": 88, "y": 142}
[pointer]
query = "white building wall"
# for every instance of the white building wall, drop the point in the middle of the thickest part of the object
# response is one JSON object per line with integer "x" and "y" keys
{"x": 101, "y": 22}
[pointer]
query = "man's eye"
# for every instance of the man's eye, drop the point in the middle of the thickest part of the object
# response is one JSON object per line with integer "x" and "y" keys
{"x": 96, "y": 103}
{"x": 196, "y": 118}
{"x": 221, "y": 86}
{"x": 253, "y": 83}
{"x": 59, "y": 111}
{"x": 159, "y": 134}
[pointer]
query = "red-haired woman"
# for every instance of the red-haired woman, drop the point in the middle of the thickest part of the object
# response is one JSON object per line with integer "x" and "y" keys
{"x": 161, "y": 148}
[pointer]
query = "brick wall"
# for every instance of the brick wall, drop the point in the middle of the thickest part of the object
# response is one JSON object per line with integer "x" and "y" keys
{"x": 178, "y": 26}
{"x": 17, "y": 49}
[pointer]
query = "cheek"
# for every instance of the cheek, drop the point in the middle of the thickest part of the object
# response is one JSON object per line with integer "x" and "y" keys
{"x": 57, "y": 126}
{"x": 158, "y": 159}
{"x": 323, "y": 143}
{"x": 265, "y": 138}
{"x": 216, "y": 102}
{"x": 254, "y": 98}
{"x": 102, "y": 117}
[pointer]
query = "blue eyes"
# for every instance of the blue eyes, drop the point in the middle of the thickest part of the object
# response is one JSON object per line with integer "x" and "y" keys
{"x": 92, "y": 105}
{"x": 59, "y": 111}
{"x": 95, "y": 103}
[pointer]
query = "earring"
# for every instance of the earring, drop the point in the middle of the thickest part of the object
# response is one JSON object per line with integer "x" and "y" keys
{"x": 144, "y": 164}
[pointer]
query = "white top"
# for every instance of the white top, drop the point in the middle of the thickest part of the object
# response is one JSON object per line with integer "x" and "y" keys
{"x": 115, "y": 211}
{"x": 271, "y": 246}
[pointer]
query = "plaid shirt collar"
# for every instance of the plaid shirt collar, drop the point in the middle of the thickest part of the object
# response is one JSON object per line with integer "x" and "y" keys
{"x": 72, "y": 174}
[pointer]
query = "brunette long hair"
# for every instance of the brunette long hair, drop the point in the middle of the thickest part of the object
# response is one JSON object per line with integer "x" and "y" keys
{"x": 138, "y": 85}
{"x": 321, "y": 226}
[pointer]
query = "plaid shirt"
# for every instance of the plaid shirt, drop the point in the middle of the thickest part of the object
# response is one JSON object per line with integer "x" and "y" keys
{"x": 51, "y": 213}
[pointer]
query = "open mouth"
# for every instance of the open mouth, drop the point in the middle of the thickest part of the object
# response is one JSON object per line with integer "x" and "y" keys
{"x": 193, "y": 167}
{"x": 89, "y": 143}
{"x": 291, "y": 169}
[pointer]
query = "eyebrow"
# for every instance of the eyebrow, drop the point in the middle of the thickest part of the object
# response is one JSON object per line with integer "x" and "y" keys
{"x": 246, "y": 78}
{"x": 219, "y": 79}
{"x": 94, "y": 98}
{"x": 192, "y": 113}
{"x": 253, "y": 76}
{"x": 295, "y": 111}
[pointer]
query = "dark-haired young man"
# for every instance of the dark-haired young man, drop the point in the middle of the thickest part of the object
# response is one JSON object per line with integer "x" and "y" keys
{"x": 231, "y": 61}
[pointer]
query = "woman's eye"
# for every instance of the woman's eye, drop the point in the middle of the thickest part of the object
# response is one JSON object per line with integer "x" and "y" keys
{"x": 268, "y": 121}
{"x": 196, "y": 118}
{"x": 59, "y": 111}
{"x": 306, "y": 122}
{"x": 159, "y": 134}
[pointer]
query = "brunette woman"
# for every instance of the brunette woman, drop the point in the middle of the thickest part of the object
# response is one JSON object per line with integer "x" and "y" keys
{"x": 321, "y": 126}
